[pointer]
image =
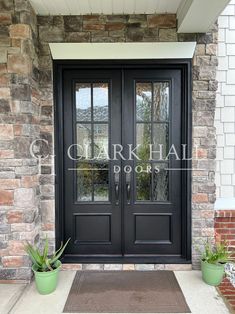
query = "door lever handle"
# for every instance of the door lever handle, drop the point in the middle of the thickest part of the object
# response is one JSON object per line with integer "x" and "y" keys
{"x": 128, "y": 193}
{"x": 128, "y": 187}
{"x": 116, "y": 184}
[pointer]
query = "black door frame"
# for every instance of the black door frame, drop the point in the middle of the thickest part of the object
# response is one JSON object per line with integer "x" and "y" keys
{"x": 185, "y": 65}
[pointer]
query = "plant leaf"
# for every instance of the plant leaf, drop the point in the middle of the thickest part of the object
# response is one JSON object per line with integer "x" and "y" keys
{"x": 56, "y": 257}
{"x": 33, "y": 254}
{"x": 61, "y": 245}
{"x": 45, "y": 251}
{"x": 48, "y": 264}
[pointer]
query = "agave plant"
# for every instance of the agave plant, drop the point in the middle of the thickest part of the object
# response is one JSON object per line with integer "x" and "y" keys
{"x": 216, "y": 254}
{"x": 43, "y": 261}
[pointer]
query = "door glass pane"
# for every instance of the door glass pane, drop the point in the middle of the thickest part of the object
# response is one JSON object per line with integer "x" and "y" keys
{"x": 160, "y": 182}
{"x": 160, "y": 101}
{"x": 100, "y": 101}
{"x": 143, "y": 182}
{"x": 83, "y": 140}
{"x": 160, "y": 137}
{"x": 84, "y": 181}
{"x": 143, "y": 138}
{"x": 83, "y": 101}
{"x": 92, "y": 182}
{"x": 101, "y": 141}
{"x": 152, "y": 127}
{"x": 92, "y": 131}
{"x": 101, "y": 182}
{"x": 143, "y": 101}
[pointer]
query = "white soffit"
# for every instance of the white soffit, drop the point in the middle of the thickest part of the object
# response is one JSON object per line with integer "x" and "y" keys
{"x": 197, "y": 16}
{"x": 77, "y": 7}
{"x": 114, "y": 51}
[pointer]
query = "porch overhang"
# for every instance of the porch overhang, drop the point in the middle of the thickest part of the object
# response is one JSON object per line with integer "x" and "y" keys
{"x": 194, "y": 16}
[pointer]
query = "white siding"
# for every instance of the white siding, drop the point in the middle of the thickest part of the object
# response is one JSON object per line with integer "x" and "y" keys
{"x": 225, "y": 104}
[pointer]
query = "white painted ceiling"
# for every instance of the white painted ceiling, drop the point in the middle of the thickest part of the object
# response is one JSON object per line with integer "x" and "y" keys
{"x": 77, "y": 7}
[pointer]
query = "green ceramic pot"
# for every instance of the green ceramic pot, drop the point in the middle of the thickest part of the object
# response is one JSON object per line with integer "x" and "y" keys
{"x": 46, "y": 282}
{"x": 212, "y": 274}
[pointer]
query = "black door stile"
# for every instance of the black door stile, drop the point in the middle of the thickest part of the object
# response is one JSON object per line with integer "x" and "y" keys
{"x": 151, "y": 222}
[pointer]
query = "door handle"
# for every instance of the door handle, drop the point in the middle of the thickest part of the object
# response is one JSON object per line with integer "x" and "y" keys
{"x": 128, "y": 187}
{"x": 116, "y": 186}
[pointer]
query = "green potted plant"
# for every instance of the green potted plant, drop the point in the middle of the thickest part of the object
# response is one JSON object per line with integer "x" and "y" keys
{"x": 45, "y": 267}
{"x": 213, "y": 262}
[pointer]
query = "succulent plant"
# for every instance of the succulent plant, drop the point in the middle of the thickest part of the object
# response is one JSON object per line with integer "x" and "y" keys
{"x": 42, "y": 260}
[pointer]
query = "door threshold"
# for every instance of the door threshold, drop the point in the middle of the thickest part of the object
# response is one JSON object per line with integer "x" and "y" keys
{"x": 76, "y": 259}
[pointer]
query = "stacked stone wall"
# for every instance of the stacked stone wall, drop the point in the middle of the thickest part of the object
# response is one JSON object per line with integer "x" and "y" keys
{"x": 19, "y": 127}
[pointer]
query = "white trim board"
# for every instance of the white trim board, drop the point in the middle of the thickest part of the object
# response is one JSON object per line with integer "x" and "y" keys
{"x": 197, "y": 16}
{"x": 225, "y": 203}
{"x": 115, "y": 51}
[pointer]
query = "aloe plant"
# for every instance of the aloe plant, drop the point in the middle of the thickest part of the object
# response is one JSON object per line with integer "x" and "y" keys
{"x": 217, "y": 254}
{"x": 42, "y": 260}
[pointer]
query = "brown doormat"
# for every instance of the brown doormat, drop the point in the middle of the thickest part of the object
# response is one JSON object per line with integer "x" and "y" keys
{"x": 125, "y": 292}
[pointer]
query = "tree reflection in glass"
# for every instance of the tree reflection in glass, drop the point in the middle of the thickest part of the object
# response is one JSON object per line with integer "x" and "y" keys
{"x": 152, "y": 127}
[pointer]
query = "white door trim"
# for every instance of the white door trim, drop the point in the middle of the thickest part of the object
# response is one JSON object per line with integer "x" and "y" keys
{"x": 115, "y": 51}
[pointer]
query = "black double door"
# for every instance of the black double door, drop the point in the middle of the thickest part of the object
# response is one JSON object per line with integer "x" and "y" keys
{"x": 122, "y": 178}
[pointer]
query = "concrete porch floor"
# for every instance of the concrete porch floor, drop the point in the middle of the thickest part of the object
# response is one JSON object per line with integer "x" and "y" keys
{"x": 24, "y": 299}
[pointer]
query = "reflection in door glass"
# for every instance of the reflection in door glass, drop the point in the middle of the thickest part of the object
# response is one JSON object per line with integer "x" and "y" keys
{"x": 101, "y": 182}
{"x": 83, "y": 140}
{"x": 101, "y": 141}
{"x": 143, "y": 183}
{"x": 160, "y": 101}
{"x": 160, "y": 137}
{"x": 92, "y": 181}
{"x": 152, "y": 127}
{"x": 92, "y": 139}
{"x": 100, "y": 101}
{"x": 143, "y": 139}
{"x": 83, "y": 101}
{"x": 160, "y": 182}
{"x": 143, "y": 101}
{"x": 84, "y": 182}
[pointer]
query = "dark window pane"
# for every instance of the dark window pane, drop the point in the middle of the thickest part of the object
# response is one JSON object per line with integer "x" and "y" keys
{"x": 143, "y": 101}
{"x": 84, "y": 181}
{"x": 143, "y": 138}
{"x": 160, "y": 182}
{"x": 160, "y": 101}
{"x": 160, "y": 137}
{"x": 101, "y": 182}
{"x": 143, "y": 182}
{"x": 101, "y": 141}
{"x": 83, "y": 101}
{"x": 100, "y": 101}
{"x": 84, "y": 140}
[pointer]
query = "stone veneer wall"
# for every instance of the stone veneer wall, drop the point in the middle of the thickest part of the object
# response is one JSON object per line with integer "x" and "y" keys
{"x": 19, "y": 126}
{"x": 95, "y": 28}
